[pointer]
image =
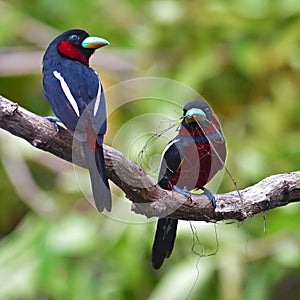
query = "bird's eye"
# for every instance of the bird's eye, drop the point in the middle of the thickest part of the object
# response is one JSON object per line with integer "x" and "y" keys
{"x": 207, "y": 110}
{"x": 74, "y": 37}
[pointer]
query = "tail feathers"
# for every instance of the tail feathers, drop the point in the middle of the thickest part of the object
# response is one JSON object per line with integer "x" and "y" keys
{"x": 164, "y": 241}
{"x": 99, "y": 181}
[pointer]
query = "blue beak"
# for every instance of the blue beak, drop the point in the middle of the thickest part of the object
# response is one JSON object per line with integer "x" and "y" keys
{"x": 94, "y": 42}
{"x": 195, "y": 114}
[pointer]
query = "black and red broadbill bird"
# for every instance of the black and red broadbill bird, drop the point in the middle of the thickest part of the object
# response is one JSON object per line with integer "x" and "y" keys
{"x": 76, "y": 96}
{"x": 189, "y": 162}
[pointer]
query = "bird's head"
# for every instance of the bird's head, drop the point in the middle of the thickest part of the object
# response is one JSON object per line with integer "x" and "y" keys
{"x": 196, "y": 112}
{"x": 76, "y": 44}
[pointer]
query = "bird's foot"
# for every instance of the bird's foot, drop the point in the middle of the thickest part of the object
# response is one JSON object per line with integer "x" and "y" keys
{"x": 183, "y": 192}
{"x": 54, "y": 120}
{"x": 210, "y": 196}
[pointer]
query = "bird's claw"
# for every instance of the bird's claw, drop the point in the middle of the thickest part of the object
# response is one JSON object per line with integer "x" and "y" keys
{"x": 54, "y": 120}
{"x": 210, "y": 196}
{"x": 183, "y": 192}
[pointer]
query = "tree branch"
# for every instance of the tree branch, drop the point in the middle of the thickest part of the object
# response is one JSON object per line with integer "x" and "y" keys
{"x": 149, "y": 199}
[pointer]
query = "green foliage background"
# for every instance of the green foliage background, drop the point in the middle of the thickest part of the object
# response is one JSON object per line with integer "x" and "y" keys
{"x": 244, "y": 58}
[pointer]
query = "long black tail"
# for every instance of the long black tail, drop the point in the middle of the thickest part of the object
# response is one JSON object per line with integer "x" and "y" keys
{"x": 99, "y": 181}
{"x": 164, "y": 241}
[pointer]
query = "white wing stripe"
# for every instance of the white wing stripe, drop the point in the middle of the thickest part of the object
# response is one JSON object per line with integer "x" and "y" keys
{"x": 167, "y": 148}
{"x": 98, "y": 98}
{"x": 67, "y": 92}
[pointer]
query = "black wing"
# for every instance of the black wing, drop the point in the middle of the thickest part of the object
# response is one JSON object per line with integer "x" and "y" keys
{"x": 172, "y": 159}
{"x": 74, "y": 91}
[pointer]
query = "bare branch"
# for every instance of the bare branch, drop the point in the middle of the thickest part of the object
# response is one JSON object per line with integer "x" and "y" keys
{"x": 149, "y": 199}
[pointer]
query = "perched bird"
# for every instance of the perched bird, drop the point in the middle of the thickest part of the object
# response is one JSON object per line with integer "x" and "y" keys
{"x": 189, "y": 161}
{"x": 76, "y": 96}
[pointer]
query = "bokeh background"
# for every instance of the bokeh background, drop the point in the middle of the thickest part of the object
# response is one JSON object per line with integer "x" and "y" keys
{"x": 241, "y": 56}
